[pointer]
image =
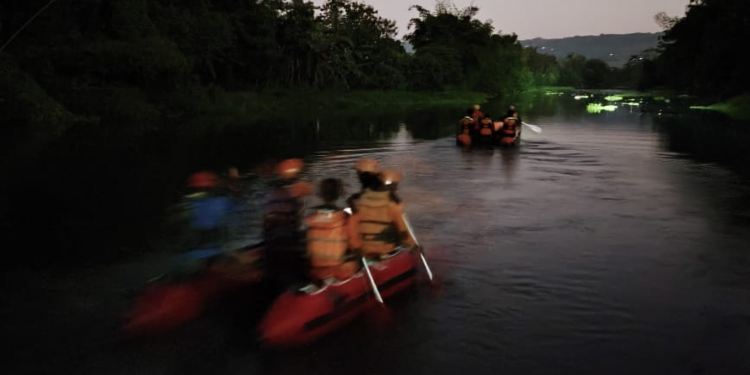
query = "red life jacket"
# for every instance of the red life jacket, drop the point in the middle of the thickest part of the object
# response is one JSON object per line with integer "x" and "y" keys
{"x": 510, "y": 127}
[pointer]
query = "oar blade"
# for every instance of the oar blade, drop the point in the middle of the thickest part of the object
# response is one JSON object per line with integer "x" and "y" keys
{"x": 534, "y": 128}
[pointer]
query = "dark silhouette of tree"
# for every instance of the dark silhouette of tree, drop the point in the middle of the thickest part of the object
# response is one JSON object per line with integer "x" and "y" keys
{"x": 702, "y": 52}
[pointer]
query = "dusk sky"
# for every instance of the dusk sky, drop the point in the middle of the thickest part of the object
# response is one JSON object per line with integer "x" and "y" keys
{"x": 550, "y": 18}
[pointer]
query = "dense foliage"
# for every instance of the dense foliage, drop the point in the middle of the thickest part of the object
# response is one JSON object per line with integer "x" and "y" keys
{"x": 454, "y": 49}
{"x": 147, "y": 62}
{"x": 701, "y": 53}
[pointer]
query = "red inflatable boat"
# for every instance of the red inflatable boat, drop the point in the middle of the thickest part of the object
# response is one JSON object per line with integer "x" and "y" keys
{"x": 301, "y": 316}
{"x": 165, "y": 306}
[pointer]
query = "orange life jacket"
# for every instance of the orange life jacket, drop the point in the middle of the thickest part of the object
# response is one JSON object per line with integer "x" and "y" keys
{"x": 509, "y": 129}
{"x": 464, "y": 139}
{"x": 327, "y": 237}
{"x": 509, "y": 132}
{"x": 376, "y": 226}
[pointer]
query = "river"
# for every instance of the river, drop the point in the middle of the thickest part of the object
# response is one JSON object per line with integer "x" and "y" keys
{"x": 612, "y": 243}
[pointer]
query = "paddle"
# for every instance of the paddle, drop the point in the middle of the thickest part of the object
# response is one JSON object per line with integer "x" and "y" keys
{"x": 533, "y": 128}
{"x": 421, "y": 251}
{"x": 374, "y": 286}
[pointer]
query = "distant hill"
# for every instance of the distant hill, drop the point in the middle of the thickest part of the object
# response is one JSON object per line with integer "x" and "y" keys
{"x": 615, "y": 49}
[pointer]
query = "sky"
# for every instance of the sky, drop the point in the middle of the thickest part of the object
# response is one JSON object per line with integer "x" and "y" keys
{"x": 549, "y": 18}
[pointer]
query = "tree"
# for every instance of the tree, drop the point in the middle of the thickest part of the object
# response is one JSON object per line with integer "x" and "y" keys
{"x": 454, "y": 49}
{"x": 701, "y": 51}
{"x": 596, "y": 74}
{"x": 571, "y": 70}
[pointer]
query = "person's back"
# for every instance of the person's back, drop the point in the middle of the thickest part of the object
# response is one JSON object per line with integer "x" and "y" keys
{"x": 208, "y": 210}
{"x": 510, "y": 131}
{"x": 513, "y": 112}
{"x": 204, "y": 215}
{"x": 282, "y": 222}
{"x": 486, "y": 128}
{"x": 477, "y": 114}
{"x": 330, "y": 236}
{"x": 281, "y": 216}
{"x": 380, "y": 221}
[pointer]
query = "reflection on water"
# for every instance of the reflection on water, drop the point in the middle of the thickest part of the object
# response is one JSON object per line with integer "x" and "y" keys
{"x": 613, "y": 243}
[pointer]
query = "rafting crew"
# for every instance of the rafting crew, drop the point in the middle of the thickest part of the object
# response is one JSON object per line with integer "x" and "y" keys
{"x": 374, "y": 227}
{"x": 478, "y": 127}
{"x": 321, "y": 244}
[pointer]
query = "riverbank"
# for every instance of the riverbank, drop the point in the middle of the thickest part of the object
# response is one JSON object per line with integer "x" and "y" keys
{"x": 737, "y": 107}
{"x": 250, "y": 107}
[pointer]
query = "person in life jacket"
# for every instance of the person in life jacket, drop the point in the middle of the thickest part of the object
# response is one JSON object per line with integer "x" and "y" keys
{"x": 463, "y": 136}
{"x": 486, "y": 127}
{"x": 513, "y": 112}
{"x": 477, "y": 115}
{"x": 206, "y": 212}
{"x": 510, "y": 132}
{"x": 380, "y": 221}
{"x": 331, "y": 236}
{"x": 282, "y": 224}
{"x": 367, "y": 173}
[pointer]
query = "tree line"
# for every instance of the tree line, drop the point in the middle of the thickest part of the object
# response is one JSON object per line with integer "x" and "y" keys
{"x": 703, "y": 52}
{"x": 144, "y": 61}
{"x": 155, "y": 46}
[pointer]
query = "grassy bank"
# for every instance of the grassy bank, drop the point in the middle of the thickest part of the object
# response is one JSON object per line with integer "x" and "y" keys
{"x": 737, "y": 107}
{"x": 251, "y": 106}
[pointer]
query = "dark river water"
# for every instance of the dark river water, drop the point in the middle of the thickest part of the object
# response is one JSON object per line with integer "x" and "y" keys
{"x": 613, "y": 243}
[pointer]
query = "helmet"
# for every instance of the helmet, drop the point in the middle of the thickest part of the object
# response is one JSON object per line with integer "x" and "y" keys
{"x": 512, "y": 108}
{"x": 203, "y": 180}
{"x": 367, "y": 166}
{"x": 477, "y": 107}
{"x": 390, "y": 176}
{"x": 289, "y": 168}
